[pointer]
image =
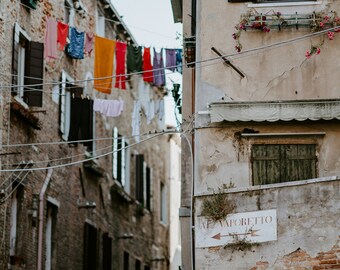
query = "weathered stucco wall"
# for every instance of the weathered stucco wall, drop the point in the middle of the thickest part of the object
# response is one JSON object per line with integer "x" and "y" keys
{"x": 277, "y": 73}
{"x": 224, "y": 155}
{"x": 307, "y": 234}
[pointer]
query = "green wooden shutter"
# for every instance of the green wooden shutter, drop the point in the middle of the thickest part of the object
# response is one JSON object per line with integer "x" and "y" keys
{"x": 139, "y": 178}
{"x": 283, "y": 163}
{"x": 34, "y": 72}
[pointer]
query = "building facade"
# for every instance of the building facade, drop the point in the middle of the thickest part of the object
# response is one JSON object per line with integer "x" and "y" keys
{"x": 260, "y": 84}
{"x": 102, "y": 203}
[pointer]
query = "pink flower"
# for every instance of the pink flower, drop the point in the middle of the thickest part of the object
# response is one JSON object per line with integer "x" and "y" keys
{"x": 337, "y": 29}
{"x": 330, "y": 35}
{"x": 326, "y": 18}
{"x": 308, "y": 55}
{"x": 321, "y": 24}
{"x": 242, "y": 26}
{"x": 237, "y": 48}
{"x": 337, "y": 19}
{"x": 318, "y": 50}
{"x": 234, "y": 36}
{"x": 278, "y": 13}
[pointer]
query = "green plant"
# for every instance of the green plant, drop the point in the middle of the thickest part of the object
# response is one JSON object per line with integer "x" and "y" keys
{"x": 229, "y": 185}
{"x": 217, "y": 206}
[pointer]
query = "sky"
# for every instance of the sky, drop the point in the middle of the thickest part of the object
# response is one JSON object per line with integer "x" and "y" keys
{"x": 152, "y": 25}
{"x": 151, "y": 22}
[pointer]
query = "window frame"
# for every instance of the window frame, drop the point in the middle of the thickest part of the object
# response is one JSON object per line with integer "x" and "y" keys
{"x": 163, "y": 214}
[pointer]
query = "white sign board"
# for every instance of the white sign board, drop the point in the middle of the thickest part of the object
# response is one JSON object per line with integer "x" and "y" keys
{"x": 253, "y": 227}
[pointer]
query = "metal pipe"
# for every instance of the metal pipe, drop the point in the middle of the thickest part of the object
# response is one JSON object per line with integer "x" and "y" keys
{"x": 41, "y": 216}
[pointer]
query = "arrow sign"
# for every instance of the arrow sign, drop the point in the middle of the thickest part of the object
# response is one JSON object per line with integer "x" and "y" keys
{"x": 251, "y": 233}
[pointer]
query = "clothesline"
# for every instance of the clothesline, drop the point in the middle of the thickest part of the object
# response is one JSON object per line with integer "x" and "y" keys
{"x": 77, "y": 45}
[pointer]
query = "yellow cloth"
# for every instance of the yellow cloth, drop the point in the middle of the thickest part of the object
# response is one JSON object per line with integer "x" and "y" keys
{"x": 103, "y": 63}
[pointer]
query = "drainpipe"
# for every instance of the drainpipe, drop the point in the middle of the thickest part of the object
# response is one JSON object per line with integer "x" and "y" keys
{"x": 41, "y": 215}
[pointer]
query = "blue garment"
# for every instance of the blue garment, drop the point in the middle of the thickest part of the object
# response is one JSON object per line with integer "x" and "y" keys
{"x": 75, "y": 49}
{"x": 179, "y": 60}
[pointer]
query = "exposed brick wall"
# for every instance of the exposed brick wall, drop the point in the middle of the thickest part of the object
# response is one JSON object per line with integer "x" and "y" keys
{"x": 301, "y": 260}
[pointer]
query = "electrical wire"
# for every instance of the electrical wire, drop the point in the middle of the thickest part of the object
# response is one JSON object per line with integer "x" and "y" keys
{"x": 233, "y": 55}
{"x": 88, "y": 159}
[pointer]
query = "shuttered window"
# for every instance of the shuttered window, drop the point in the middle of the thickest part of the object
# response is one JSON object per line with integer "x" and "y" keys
{"x": 120, "y": 160}
{"x": 283, "y": 163}
{"x": 27, "y": 68}
{"x": 143, "y": 182}
{"x": 126, "y": 259}
{"x": 107, "y": 250}
{"x": 139, "y": 178}
{"x": 90, "y": 248}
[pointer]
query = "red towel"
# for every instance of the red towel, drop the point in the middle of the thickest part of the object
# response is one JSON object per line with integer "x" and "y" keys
{"x": 62, "y": 35}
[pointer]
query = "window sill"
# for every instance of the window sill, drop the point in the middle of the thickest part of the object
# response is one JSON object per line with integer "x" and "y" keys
{"x": 286, "y": 4}
{"x": 118, "y": 190}
{"x": 23, "y": 112}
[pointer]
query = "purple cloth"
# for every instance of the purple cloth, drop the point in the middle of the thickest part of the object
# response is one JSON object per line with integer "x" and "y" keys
{"x": 88, "y": 46}
{"x": 158, "y": 68}
{"x": 170, "y": 59}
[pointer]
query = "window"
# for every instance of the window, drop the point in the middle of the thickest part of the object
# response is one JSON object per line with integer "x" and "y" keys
{"x": 126, "y": 261}
{"x": 143, "y": 182}
{"x": 27, "y": 68}
{"x": 50, "y": 235}
{"x": 100, "y": 23}
{"x": 90, "y": 248}
{"x": 30, "y": 3}
{"x": 121, "y": 160}
{"x": 282, "y": 163}
{"x": 163, "y": 204}
{"x": 107, "y": 250}
{"x": 138, "y": 265}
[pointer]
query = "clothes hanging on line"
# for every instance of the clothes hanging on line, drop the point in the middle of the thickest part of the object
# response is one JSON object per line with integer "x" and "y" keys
{"x": 106, "y": 107}
{"x": 170, "y": 59}
{"x": 75, "y": 49}
{"x": 120, "y": 65}
{"x": 147, "y": 66}
{"x": 150, "y": 114}
{"x": 88, "y": 46}
{"x": 81, "y": 127}
{"x": 50, "y": 39}
{"x": 158, "y": 68}
{"x": 62, "y": 35}
{"x": 134, "y": 59}
{"x": 135, "y": 123}
{"x": 179, "y": 60}
{"x": 103, "y": 64}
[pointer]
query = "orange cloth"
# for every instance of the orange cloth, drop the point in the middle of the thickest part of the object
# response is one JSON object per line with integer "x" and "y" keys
{"x": 103, "y": 63}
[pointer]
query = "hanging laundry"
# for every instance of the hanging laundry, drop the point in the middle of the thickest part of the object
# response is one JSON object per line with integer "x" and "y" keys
{"x": 158, "y": 68}
{"x": 135, "y": 123}
{"x": 81, "y": 121}
{"x": 179, "y": 60}
{"x": 170, "y": 59}
{"x": 150, "y": 112}
{"x": 120, "y": 65}
{"x": 161, "y": 110}
{"x": 75, "y": 49}
{"x": 88, "y": 47}
{"x": 50, "y": 51}
{"x": 134, "y": 58}
{"x": 147, "y": 67}
{"x": 62, "y": 35}
{"x": 111, "y": 108}
{"x": 103, "y": 64}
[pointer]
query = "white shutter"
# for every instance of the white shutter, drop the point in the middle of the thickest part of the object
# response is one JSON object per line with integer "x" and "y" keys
{"x": 63, "y": 103}
{"x": 123, "y": 149}
{"x": 144, "y": 184}
{"x": 115, "y": 153}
